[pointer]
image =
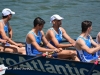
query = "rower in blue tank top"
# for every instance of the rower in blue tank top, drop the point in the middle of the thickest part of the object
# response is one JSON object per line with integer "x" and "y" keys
{"x": 85, "y": 56}
{"x": 58, "y": 35}
{"x": 6, "y": 33}
{"x": 30, "y": 49}
{"x": 35, "y": 37}
{"x": 86, "y": 47}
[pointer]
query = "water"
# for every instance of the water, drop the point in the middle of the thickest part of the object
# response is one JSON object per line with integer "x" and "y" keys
{"x": 73, "y": 11}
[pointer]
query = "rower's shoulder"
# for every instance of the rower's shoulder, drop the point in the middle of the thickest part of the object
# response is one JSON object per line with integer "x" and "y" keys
{"x": 98, "y": 34}
{"x": 80, "y": 41}
{"x": 50, "y": 30}
{"x": 0, "y": 22}
{"x": 62, "y": 29}
{"x": 1, "y": 25}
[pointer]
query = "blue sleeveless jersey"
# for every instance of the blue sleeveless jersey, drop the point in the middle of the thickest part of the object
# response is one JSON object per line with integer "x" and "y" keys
{"x": 30, "y": 49}
{"x": 58, "y": 36}
{"x": 83, "y": 55}
{"x": 5, "y": 29}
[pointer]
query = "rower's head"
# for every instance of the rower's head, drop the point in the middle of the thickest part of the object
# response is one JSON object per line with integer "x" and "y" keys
{"x": 86, "y": 26}
{"x": 6, "y": 12}
{"x": 56, "y": 19}
{"x": 39, "y": 23}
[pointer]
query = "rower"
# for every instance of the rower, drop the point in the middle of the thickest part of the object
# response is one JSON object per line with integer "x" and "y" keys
{"x": 35, "y": 36}
{"x": 5, "y": 29}
{"x": 55, "y": 35}
{"x": 86, "y": 47}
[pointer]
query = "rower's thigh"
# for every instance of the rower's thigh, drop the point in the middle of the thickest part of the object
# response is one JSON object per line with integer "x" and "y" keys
{"x": 13, "y": 46}
{"x": 7, "y": 49}
{"x": 67, "y": 52}
{"x": 1, "y": 48}
{"x": 19, "y": 49}
{"x": 22, "y": 50}
{"x": 11, "y": 49}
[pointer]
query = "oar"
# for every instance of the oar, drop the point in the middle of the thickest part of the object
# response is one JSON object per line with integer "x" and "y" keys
{"x": 25, "y": 61}
{"x": 95, "y": 63}
{"x": 3, "y": 68}
{"x": 43, "y": 55}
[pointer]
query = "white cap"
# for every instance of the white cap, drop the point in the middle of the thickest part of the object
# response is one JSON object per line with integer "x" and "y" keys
{"x": 7, "y": 11}
{"x": 55, "y": 16}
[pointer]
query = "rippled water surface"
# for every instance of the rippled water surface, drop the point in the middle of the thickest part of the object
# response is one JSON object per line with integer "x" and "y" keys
{"x": 73, "y": 11}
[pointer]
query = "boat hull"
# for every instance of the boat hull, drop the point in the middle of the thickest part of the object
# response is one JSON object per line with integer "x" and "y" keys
{"x": 45, "y": 66}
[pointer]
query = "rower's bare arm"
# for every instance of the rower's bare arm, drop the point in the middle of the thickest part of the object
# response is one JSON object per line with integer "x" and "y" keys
{"x": 83, "y": 46}
{"x": 31, "y": 40}
{"x": 53, "y": 39}
{"x": 49, "y": 45}
{"x": 2, "y": 32}
{"x": 45, "y": 41}
{"x": 66, "y": 36}
{"x": 93, "y": 42}
{"x": 10, "y": 31}
{"x": 3, "y": 41}
{"x": 5, "y": 37}
{"x": 98, "y": 36}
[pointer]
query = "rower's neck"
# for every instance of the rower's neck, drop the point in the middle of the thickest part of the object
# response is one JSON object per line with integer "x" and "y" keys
{"x": 35, "y": 31}
{"x": 5, "y": 20}
{"x": 56, "y": 29}
{"x": 84, "y": 35}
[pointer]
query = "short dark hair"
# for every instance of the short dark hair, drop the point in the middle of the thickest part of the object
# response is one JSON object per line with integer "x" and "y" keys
{"x": 85, "y": 25}
{"x": 39, "y": 21}
{"x": 4, "y": 16}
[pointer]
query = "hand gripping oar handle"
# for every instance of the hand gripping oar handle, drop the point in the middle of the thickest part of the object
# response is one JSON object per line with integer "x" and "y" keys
{"x": 54, "y": 54}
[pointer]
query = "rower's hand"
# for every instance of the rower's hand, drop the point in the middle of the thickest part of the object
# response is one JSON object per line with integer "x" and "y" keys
{"x": 19, "y": 44}
{"x": 73, "y": 45}
{"x": 3, "y": 41}
{"x": 60, "y": 49}
{"x": 46, "y": 54}
{"x": 57, "y": 50}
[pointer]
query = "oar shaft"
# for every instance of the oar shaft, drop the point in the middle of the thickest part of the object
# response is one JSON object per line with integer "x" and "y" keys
{"x": 24, "y": 61}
